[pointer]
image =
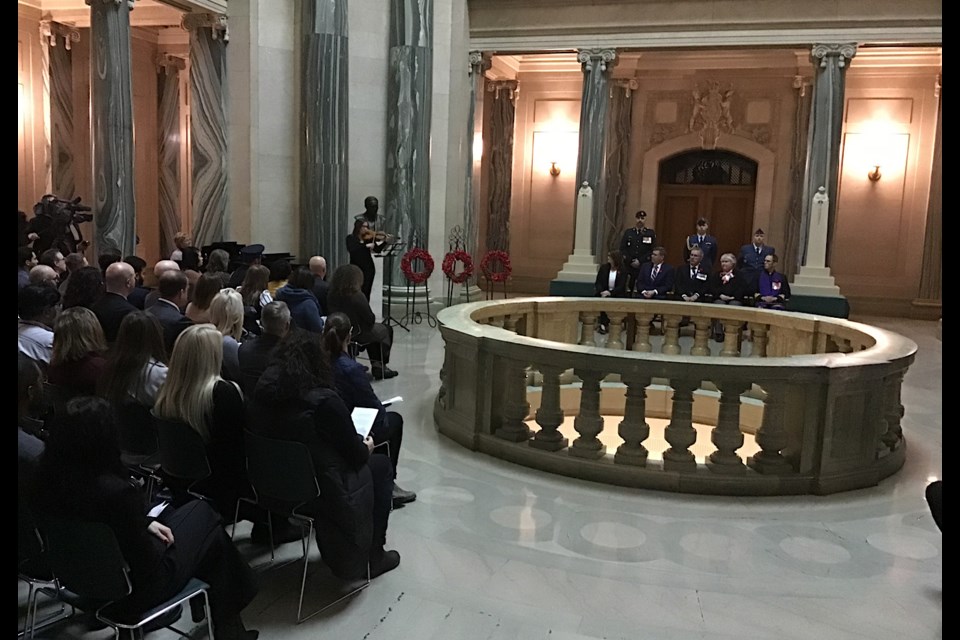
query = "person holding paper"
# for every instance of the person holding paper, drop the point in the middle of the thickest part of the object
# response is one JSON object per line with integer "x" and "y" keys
{"x": 356, "y": 391}
{"x": 295, "y": 399}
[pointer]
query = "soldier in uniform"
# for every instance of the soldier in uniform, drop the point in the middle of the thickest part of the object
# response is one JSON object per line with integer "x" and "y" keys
{"x": 707, "y": 243}
{"x": 636, "y": 246}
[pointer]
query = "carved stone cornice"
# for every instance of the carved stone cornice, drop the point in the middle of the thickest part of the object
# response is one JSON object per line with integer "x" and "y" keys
{"x": 511, "y": 87}
{"x": 52, "y": 31}
{"x": 215, "y": 22}
{"x": 167, "y": 62}
{"x": 843, "y": 52}
{"x": 602, "y": 58}
{"x": 479, "y": 62}
{"x": 113, "y": 2}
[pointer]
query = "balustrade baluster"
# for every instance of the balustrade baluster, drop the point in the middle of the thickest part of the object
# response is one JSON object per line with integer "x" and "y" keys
{"x": 771, "y": 436}
{"x": 550, "y": 414}
{"x": 510, "y": 323}
{"x": 671, "y": 336}
{"x": 642, "y": 340}
{"x": 701, "y": 337}
{"x": 589, "y": 422}
{"x": 633, "y": 429}
{"x": 731, "y": 338}
{"x": 726, "y": 435}
{"x": 613, "y": 340}
{"x": 588, "y": 321}
{"x": 680, "y": 433}
{"x": 515, "y": 405}
{"x": 758, "y": 333}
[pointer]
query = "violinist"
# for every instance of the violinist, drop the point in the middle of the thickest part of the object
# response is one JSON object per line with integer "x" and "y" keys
{"x": 368, "y": 238}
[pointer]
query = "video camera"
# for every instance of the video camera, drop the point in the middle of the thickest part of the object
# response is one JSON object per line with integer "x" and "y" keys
{"x": 57, "y": 223}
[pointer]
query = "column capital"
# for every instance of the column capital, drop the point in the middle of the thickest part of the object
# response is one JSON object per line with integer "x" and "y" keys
{"x": 215, "y": 22}
{"x": 601, "y": 57}
{"x": 843, "y": 52}
{"x": 168, "y": 61}
{"x": 479, "y": 61}
{"x": 53, "y": 31}
{"x": 512, "y": 87}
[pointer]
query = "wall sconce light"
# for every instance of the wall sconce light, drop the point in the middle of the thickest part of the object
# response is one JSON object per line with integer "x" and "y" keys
{"x": 875, "y": 175}
{"x": 554, "y": 169}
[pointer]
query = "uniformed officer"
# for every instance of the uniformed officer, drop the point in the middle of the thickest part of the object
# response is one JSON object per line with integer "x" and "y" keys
{"x": 636, "y": 246}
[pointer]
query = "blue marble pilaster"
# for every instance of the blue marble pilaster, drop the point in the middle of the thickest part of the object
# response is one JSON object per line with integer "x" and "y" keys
{"x": 208, "y": 124}
{"x": 594, "y": 101}
{"x": 323, "y": 139}
{"x": 58, "y": 40}
{"x": 478, "y": 63}
{"x": 111, "y": 130}
{"x": 409, "y": 97}
{"x": 826, "y": 124}
{"x": 503, "y": 119}
{"x": 169, "y": 69}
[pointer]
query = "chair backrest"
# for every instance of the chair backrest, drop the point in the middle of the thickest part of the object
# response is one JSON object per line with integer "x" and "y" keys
{"x": 138, "y": 432}
{"x": 86, "y": 559}
{"x": 55, "y": 399}
{"x": 281, "y": 472}
{"x": 183, "y": 453}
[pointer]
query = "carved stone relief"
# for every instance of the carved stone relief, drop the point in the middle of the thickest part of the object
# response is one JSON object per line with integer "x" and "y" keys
{"x": 711, "y": 113}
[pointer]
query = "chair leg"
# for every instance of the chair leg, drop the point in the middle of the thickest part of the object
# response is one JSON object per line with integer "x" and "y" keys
{"x": 303, "y": 581}
{"x": 206, "y": 609}
{"x": 236, "y": 516}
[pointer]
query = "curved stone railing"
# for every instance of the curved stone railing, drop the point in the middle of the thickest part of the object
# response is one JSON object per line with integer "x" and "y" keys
{"x": 820, "y": 396}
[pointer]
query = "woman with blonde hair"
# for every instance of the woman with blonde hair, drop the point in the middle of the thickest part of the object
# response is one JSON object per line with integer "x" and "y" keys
{"x": 226, "y": 314}
{"x": 198, "y": 310}
{"x": 195, "y": 393}
{"x": 78, "y": 346}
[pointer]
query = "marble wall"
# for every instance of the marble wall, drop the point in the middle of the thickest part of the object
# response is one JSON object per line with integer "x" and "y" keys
{"x": 32, "y": 156}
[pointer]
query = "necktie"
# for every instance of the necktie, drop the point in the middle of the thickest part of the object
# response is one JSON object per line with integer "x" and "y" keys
{"x": 758, "y": 250}
{"x": 656, "y": 270}
{"x": 699, "y": 239}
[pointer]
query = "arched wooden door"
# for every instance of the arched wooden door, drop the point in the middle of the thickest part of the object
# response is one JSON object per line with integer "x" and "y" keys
{"x": 717, "y": 185}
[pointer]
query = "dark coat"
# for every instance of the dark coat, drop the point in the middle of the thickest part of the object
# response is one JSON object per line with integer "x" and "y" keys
{"x": 356, "y": 307}
{"x": 254, "y": 355}
{"x": 360, "y": 256}
{"x": 686, "y": 284}
{"x": 110, "y": 310}
{"x": 602, "y": 282}
{"x": 663, "y": 283}
{"x": 171, "y": 320}
{"x": 304, "y": 308}
{"x": 320, "y": 288}
{"x": 737, "y": 286}
{"x": 319, "y": 419}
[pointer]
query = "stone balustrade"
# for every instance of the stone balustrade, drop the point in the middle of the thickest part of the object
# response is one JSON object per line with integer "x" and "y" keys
{"x": 819, "y": 396}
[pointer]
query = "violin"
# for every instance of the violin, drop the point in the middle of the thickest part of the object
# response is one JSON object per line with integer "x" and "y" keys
{"x": 369, "y": 235}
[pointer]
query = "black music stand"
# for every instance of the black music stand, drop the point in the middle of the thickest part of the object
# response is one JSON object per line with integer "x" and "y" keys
{"x": 388, "y": 254}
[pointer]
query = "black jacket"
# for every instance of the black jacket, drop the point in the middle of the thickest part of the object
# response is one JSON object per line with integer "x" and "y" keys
{"x": 602, "y": 282}
{"x": 110, "y": 310}
{"x": 172, "y": 321}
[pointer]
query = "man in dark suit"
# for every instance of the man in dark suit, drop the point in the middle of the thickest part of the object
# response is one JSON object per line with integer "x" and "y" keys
{"x": 138, "y": 297}
{"x": 113, "y": 306}
{"x": 691, "y": 282}
{"x": 751, "y": 258}
{"x": 159, "y": 269}
{"x": 173, "y": 298}
{"x": 656, "y": 277}
{"x": 255, "y": 352}
{"x": 318, "y": 267}
{"x": 707, "y": 243}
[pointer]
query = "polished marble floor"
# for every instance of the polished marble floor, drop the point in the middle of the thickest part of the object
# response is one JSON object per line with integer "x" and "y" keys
{"x": 494, "y": 551}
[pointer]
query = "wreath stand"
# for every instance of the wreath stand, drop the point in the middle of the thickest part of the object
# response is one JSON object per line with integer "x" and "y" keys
{"x": 503, "y": 258}
{"x": 490, "y": 292}
{"x": 455, "y": 243}
{"x": 412, "y": 315}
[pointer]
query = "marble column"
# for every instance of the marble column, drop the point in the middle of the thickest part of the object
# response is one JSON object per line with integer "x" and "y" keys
{"x": 823, "y": 161}
{"x": 500, "y": 186}
{"x": 594, "y": 104}
{"x": 58, "y": 40}
{"x": 111, "y": 127}
{"x": 931, "y": 285}
{"x": 323, "y": 138}
{"x": 478, "y": 63}
{"x": 617, "y": 176}
{"x": 409, "y": 97}
{"x": 168, "y": 148}
{"x": 208, "y": 124}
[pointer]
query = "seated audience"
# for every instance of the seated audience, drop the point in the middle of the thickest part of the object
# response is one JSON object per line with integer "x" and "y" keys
{"x": 55, "y": 260}
{"x": 612, "y": 279}
{"x": 74, "y": 262}
{"x": 44, "y": 275}
{"x": 773, "y": 290}
{"x": 345, "y": 296}
{"x": 78, "y": 347}
{"x": 84, "y": 479}
{"x": 138, "y": 296}
{"x": 279, "y": 272}
{"x": 318, "y": 267}
{"x": 726, "y": 285}
{"x": 113, "y": 307}
{"x": 255, "y": 352}
{"x": 219, "y": 265}
{"x": 304, "y": 307}
{"x": 355, "y": 391}
{"x": 159, "y": 269}
{"x": 255, "y": 296}
{"x": 37, "y": 308}
{"x": 173, "y": 296}
{"x": 106, "y": 259}
{"x": 656, "y": 277}
{"x": 226, "y": 314}
{"x": 198, "y": 310}
{"x": 136, "y": 367}
{"x": 85, "y": 288}
{"x": 27, "y": 260}
{"x": 691, "y": 283}
{"x": 295, "y": 400}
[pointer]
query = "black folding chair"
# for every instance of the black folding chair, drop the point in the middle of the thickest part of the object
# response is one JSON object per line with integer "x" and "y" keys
{"x": 183, "y": 454}
{"x": 139, "y": 449}
{"x": 33, "y": 568}
{"x": 89, "y": 568}
{"x": 283, "y": 479}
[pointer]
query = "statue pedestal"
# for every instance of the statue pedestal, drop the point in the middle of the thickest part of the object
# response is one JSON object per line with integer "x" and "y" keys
{"x": 579, "y": 272}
